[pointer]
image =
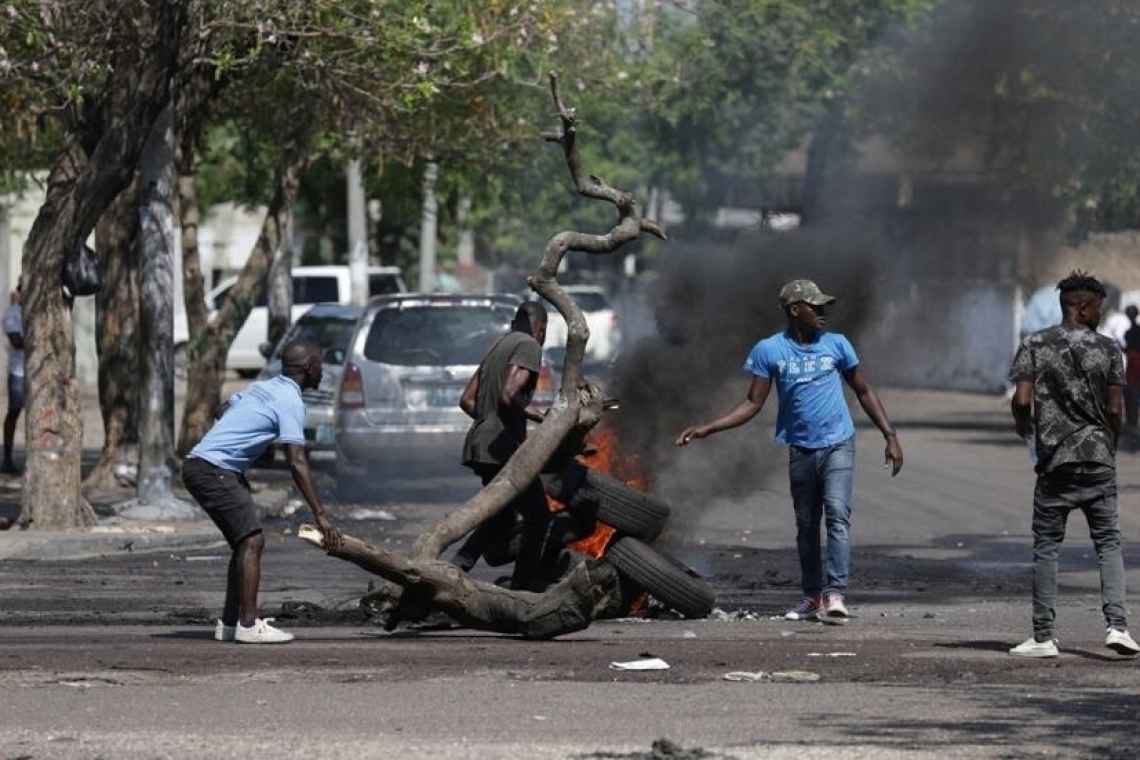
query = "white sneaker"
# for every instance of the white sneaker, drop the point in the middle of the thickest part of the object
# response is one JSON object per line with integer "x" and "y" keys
{"x": 261, "y": 632}
{"x": 835, "y": 608}
{"x": 1121, "y": 643}
{"x": 1033, "y": 648}
{"x": 223, "y": 632}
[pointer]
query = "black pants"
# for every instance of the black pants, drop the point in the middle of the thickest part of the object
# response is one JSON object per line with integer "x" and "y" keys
{"x": 530, "y": 504}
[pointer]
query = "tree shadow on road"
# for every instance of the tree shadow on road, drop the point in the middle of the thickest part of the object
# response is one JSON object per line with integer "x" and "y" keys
{"x": 1059, "y": 721}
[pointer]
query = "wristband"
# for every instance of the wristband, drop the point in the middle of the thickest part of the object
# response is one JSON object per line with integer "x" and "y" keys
{"x": 890, "y": 434}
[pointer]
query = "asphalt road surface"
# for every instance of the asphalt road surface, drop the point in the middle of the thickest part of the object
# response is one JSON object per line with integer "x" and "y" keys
{"x": 114, "y": 657}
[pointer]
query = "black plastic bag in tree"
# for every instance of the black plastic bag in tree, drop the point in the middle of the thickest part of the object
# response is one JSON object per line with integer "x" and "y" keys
{"x": 82, "y": 272}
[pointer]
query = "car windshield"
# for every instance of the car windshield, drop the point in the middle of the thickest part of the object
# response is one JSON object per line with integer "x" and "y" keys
{"x": 591, "y": 301}
{"x": 326, "y": 332}
{"x": 435, "y": 334}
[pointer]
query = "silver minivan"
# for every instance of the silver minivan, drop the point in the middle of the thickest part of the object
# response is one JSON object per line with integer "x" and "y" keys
{"x": 398, "y": 404}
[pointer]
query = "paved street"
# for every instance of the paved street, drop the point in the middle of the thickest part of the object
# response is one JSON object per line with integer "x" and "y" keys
{"x": 112, "y": 656}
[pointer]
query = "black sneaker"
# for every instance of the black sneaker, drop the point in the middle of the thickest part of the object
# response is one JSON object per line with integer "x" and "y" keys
{"x": 10, "y": 468}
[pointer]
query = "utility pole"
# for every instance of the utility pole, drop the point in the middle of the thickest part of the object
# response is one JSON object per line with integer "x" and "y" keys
{"x": 429, "y": 225}
{"x": 357, "y": 233}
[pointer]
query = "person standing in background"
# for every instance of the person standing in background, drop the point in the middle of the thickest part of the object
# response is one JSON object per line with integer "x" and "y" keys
{"x": 1132, "y": 369}
{"x": 1068, "y": 387}
{"x": 14, "y": 329}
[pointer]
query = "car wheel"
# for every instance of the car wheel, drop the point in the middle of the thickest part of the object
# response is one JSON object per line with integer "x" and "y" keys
{"x": 622, "y": 507}
{"x": 666, "y": 579}
{"x": 247, "y": 374}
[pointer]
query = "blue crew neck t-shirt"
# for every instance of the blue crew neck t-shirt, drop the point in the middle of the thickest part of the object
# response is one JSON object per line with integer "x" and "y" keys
{"x": 809, "y": 384}
{"x": 263, "y": 412}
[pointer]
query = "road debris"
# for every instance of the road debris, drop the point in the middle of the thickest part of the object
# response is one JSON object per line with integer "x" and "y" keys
{"x": 649, "y": 663}
{"x": 364, "y": 513}
{"x": 780, "y": 676}
{"x": 744, "y": 675}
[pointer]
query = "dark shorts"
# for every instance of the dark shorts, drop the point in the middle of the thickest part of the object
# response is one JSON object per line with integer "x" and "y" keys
{"x": 225, "y": 497}
{"x": 16, "y": 392}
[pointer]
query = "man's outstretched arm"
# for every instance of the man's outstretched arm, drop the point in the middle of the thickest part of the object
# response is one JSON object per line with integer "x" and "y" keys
{"x": 741, "y": 413}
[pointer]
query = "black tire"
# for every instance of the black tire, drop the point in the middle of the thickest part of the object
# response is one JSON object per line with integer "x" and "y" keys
{"x": 666, "y": 579}
{"x": 622, "y": 507}
{"x": 248, "y": 374}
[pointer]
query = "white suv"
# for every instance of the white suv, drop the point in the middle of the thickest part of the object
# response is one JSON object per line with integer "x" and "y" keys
{"x": 605, "y": 337}
{"x": 311, "y": 285}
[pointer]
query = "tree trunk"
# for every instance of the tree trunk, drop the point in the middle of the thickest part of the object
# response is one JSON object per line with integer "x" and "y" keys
{"x": 210, "y": 343}
{"x": 156, "y": 222}
{"x": 117, "y": 337}
{"x": 193, "y": 287}
{"x": 421, "y": 582}
{"x": 96, "y": 164}
{"x": 280, "y": 286}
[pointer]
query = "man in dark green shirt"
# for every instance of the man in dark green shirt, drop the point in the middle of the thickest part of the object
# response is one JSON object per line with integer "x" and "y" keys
{"x": 498, "y": 399}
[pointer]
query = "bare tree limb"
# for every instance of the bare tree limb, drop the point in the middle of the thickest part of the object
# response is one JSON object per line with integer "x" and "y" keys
{"x": 421, "y": 582}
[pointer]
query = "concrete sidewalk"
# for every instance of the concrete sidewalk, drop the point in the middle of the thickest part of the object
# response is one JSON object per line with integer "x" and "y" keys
{"x": 114, "y": 535}
{"x": 108, "y": 539}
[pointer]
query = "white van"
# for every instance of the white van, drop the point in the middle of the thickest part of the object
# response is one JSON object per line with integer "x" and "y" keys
{"x": 314, "y": 284}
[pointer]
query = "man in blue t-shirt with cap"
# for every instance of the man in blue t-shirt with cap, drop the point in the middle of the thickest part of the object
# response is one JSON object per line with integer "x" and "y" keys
{"x": 806, "y": 363}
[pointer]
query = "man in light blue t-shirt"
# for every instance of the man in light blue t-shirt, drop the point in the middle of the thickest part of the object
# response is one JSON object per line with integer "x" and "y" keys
{"x": 807, "y": 365}
{"x": 214, "y": 474}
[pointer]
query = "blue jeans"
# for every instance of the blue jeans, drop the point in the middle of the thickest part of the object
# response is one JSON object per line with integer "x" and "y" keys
{"x": 821, "y": 482}
{"x": 1056, "y": 495}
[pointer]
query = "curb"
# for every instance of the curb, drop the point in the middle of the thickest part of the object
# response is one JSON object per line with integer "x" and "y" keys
{"x": 105, "y": 541}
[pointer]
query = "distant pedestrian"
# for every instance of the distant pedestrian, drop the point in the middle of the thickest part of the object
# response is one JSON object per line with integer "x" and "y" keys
{"x": 1068, "y": 388}
{"x": 1132, "y": 369}
{"x": 808, "y": 365}
{"x": 214, "y": 474}
{"x": 14, "y": 329}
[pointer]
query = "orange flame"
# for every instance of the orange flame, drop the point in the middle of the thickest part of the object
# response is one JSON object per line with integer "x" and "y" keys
{"x": 609, "y": 460}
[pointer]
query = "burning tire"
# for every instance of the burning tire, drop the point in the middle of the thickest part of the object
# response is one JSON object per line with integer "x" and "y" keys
{"x": 625, "y": 509}
{"x": 666, "y": 579}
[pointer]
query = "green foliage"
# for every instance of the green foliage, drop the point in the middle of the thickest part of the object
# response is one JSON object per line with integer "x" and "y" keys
{"x": 730, "y": 87}
{"x": 1038, "y": 94}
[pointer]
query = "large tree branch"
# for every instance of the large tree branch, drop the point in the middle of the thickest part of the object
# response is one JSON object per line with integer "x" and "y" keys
{"x": 422, "y": 582}
{"x": 591, "y": 590}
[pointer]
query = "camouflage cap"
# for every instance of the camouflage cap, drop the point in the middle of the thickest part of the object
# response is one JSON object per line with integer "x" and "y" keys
{"x": 803, "y": 290}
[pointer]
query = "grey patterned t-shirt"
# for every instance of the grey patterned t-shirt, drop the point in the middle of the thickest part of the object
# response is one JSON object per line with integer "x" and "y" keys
{"x": 1071, "y": 369}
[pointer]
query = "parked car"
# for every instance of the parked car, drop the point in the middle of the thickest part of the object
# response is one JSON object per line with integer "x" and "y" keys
{"x": 330, "y": 326}
{"x": 314, "y": 284}
{"x": 408, "y": 362}
{"x": 605, "y": 336}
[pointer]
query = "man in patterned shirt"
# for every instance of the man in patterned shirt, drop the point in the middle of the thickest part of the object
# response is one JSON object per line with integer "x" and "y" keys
{"x": 1068, "y": 395}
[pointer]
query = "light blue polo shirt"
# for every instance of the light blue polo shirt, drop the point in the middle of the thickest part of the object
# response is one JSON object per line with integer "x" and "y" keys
{"x": 809, "y": 384}
{"x": 263, "y": 412}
